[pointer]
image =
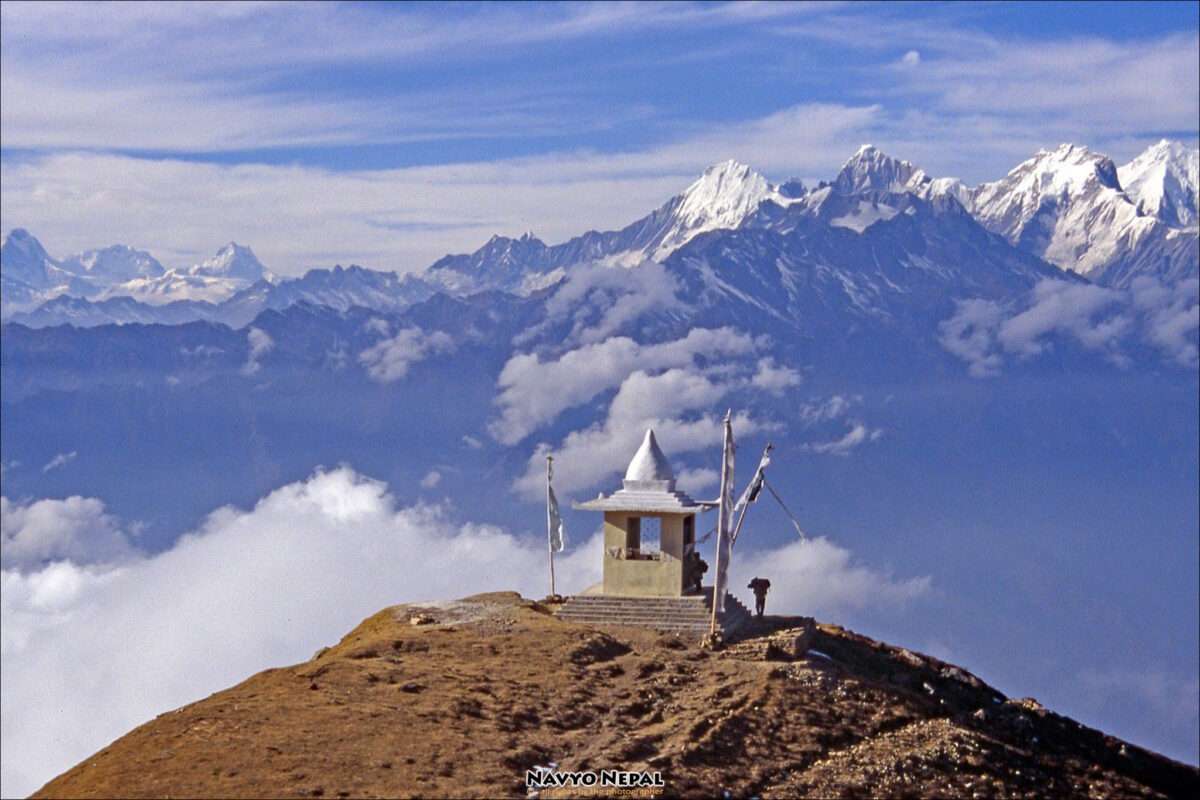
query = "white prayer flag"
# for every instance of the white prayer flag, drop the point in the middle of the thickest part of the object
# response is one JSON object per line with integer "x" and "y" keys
{"x": 554, "y": 523}
{"x": 752, "y": 491}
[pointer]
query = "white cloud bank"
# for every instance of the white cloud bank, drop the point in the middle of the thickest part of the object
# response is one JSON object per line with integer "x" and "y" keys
{"x": 89, "y": 651}
{"x": 983, "y": 332}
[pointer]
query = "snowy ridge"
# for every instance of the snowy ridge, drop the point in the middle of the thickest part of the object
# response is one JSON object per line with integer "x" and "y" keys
{"x": 870, "y": 169}
{"x": 1068, "y": 206}
{"x": 232, "y": 261}
{"x": 113, "y": 264}
{"x": 722, "y": 198}
{"x": 173, "y": 286}
{"x": 1164, "y": 182}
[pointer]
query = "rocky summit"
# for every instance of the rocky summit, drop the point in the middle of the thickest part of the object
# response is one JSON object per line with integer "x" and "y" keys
{"x": 466, "y": 698}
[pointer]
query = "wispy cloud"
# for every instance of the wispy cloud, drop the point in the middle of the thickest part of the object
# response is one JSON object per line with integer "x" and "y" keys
{"x": 60, "y": 460}
{"x": 858, "y": 434}
{"x": 180, "y": 210}
{"x": 174, "y": 77}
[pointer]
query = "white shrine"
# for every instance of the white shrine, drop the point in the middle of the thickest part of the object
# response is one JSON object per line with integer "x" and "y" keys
{"x": 652, "y": 569}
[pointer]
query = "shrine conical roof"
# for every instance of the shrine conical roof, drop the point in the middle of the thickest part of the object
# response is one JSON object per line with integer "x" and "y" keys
{"x": 649, "y": 463}
{"x": 649, "y": 485}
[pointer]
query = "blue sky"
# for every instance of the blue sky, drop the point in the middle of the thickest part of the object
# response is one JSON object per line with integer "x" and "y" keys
{"x": 390, "y": 134}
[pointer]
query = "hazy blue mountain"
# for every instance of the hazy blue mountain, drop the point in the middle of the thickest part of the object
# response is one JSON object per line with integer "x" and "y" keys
{"x": 24, "y": 260}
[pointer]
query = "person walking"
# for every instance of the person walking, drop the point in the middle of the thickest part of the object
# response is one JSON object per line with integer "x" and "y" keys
{"x": 760, "y": 587}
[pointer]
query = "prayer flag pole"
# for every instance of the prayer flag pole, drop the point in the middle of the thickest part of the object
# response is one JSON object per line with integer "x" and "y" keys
{"x": 550, "y": 520}
{"x": 722, "y": 520}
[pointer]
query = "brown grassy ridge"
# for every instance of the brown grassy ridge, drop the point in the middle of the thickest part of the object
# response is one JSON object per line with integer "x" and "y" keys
{"x": 494, "y": 685}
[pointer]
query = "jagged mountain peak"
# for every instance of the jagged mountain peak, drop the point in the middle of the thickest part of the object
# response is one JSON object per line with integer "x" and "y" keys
{"x": 722, "y": 197}
{"x": 232, "y": 261}
{"x": 871, "y": 169}
{"x": 1164, "y": 182}
{"x": 22, "y": 258}
{"x": 1068, "y": 168}
{"x": 20, "y": 235}
{"x": 20, "y": 241}
{"x": 1067, "y": 206}
{"x": 725, "y": 185}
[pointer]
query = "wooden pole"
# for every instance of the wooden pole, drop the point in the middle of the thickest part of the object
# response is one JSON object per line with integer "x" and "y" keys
{"x": 722, "y": 515}
{"x": 549, "y": 523}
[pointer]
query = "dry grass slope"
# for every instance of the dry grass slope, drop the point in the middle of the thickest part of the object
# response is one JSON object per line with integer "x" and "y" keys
{"x": 494, "y": 684}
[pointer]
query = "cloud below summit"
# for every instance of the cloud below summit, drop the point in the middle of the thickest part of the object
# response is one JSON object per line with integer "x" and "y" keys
{"x": 257, "y": 588}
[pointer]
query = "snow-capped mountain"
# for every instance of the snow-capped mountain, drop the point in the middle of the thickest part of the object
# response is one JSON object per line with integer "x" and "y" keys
{"x": 175, "y": 286}
{"x": 29, "y": 276}
{"x": 1164, "y": 182}
{"x": 213, "y": 280}
{"x": 32, "y": 277}
{"x": 1070, "y": 206}
{"x": 722, "y": 198}
{"x": 24, "y": 260}
{"x": 113, "y": 265}
{"x": 233, "y": 261}
{"x": 891, "y": 261}
{"x": 870, "y": 169}
{"x": 340, "y": 289}
{"x": 1067, "y": 207}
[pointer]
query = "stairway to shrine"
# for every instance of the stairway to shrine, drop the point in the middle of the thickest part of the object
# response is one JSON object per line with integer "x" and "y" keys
{"x": 689, "y": 614}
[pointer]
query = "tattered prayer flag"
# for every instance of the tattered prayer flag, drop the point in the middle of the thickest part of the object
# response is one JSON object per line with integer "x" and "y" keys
{"x": 554, "y": 523}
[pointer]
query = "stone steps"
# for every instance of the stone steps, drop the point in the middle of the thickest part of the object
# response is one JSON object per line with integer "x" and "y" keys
{"x": 688, "y": 614}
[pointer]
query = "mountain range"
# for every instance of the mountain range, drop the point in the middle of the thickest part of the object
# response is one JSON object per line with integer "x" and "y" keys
{"x": 781, "y": 247}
